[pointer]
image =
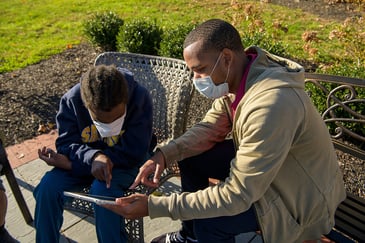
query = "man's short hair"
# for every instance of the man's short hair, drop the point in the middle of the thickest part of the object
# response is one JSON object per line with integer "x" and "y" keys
{"x": 103, "y": 88}
{"x": 216, "y": 34}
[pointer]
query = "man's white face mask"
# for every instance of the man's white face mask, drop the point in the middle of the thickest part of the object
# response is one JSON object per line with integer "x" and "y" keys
{"x": 207, "y": 87}
{"x": 110, "y": 129}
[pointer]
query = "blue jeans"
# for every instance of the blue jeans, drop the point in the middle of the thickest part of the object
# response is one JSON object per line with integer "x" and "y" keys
{"x": 195, "y": 173}
{"x": 49, "y": 198}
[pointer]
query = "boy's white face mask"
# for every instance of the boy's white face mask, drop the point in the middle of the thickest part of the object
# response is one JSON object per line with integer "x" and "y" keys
{"x": 207, "y": 87}
{"x": 110, "y": 129}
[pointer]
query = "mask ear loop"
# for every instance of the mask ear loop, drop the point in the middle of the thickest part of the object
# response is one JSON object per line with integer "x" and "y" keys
{"x": 227, "y": 74}
{"x": 216, "y": 63}
{"x": 229, "y": 68}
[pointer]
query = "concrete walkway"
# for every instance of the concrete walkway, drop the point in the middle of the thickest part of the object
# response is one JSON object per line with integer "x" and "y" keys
{"x": 28, "y": 170}
{"x": 76, "y": 227}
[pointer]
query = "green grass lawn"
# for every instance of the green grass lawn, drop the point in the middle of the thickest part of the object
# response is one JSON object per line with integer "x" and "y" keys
{"x": 32, "y": 30}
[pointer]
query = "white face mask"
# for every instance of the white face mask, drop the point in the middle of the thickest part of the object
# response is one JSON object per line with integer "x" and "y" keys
{"x": 110, "y": 129}
{"x": 207, "y": 87}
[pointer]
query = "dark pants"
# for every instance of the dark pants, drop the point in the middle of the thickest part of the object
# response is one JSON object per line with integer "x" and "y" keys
{"x": 48, "y": 217}
{"x": 195, "y": 173}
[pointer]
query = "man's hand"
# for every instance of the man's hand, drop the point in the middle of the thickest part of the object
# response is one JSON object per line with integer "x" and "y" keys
{"x": 155, "y": 165}
{"x": 101, "y": 168}
{"x": 131, "y": 207}
{"x": 54, "y": 159}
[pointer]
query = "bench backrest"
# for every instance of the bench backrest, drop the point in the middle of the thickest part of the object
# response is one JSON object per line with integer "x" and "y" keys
{"x": 170, "y": 86}
{"x": 343, "y": 110}
{"x": 342, "y": 102}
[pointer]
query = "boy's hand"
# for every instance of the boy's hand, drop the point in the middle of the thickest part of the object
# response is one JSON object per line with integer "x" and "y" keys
{"x": 54, "y": 159}
{"x": 101, "y": 168}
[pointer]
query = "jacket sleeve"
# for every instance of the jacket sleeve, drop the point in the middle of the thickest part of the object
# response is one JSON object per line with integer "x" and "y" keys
{"x": 214, "y": 128}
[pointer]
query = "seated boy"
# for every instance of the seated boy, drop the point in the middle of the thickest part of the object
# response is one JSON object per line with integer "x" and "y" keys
{"x": 105, "y": 128}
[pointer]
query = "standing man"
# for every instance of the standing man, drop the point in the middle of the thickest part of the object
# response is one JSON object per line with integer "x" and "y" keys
{"x": 279, "y": 173}
{"x": 105, "y": 128}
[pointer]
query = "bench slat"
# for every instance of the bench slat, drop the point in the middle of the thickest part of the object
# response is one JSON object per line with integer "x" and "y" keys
{"x": 354, "y": 216}
{"x": 344, "y": 227}
{"x": 350, "y": 217}
{"x": 349, "y": 150}
{"x": 338, "y": 237}
{"x": 354, "y": 206}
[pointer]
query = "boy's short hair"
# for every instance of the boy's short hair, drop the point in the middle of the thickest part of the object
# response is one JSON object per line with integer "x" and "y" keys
{"x": 103, "y": 88}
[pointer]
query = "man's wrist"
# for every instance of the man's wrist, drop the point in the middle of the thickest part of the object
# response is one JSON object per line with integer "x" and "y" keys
{"x": 158, "y": 150}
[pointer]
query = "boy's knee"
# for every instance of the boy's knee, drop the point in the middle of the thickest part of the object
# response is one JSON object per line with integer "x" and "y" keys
{"x": 99, "y": 188}
{"x": 47, "y": 188}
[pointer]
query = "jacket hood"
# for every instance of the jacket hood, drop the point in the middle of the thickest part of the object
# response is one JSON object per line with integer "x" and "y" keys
{"x": 282, "y": 72}
{"x": 130, "y": 81}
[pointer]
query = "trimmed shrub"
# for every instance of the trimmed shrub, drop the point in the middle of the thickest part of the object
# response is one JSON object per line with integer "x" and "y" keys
{"x": 265, "y": 42}
{"x": 140, "y": 36}
{"x": 173, "y": 40}
{"x": 102, "y": 30}
{"x": 347, "y": 69}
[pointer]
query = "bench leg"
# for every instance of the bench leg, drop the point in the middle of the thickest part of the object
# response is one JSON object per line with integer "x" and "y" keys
{"x": 8, "y": 172}
{"x": 18, "y": 196}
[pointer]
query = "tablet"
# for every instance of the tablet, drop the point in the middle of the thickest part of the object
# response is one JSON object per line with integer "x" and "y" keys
{"x": 99, "y": 200}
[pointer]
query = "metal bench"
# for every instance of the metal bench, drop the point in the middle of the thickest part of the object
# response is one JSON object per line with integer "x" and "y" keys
{"x": 343, "y": 110}
{"x": 168, "y": 81}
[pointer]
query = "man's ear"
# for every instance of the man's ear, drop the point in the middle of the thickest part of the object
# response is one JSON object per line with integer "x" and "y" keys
{"x": 227, "y": 56}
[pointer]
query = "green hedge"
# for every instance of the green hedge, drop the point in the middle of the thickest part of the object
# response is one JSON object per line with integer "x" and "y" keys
{"x": 102, "y": 28}
{"x": 173, "y": 40}
{"x": 140, "y": 36}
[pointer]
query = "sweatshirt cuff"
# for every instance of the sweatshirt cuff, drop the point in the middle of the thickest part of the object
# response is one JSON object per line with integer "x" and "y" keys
{"x": 90, "y": 155}
{"x": 170, "y": 152}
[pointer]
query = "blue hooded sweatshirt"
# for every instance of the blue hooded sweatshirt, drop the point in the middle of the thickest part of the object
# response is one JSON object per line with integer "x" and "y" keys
{"x": 79, "y": 140}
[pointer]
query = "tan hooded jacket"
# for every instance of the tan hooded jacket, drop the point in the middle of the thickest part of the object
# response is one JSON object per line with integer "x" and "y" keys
{"x": 285, "y": 163}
